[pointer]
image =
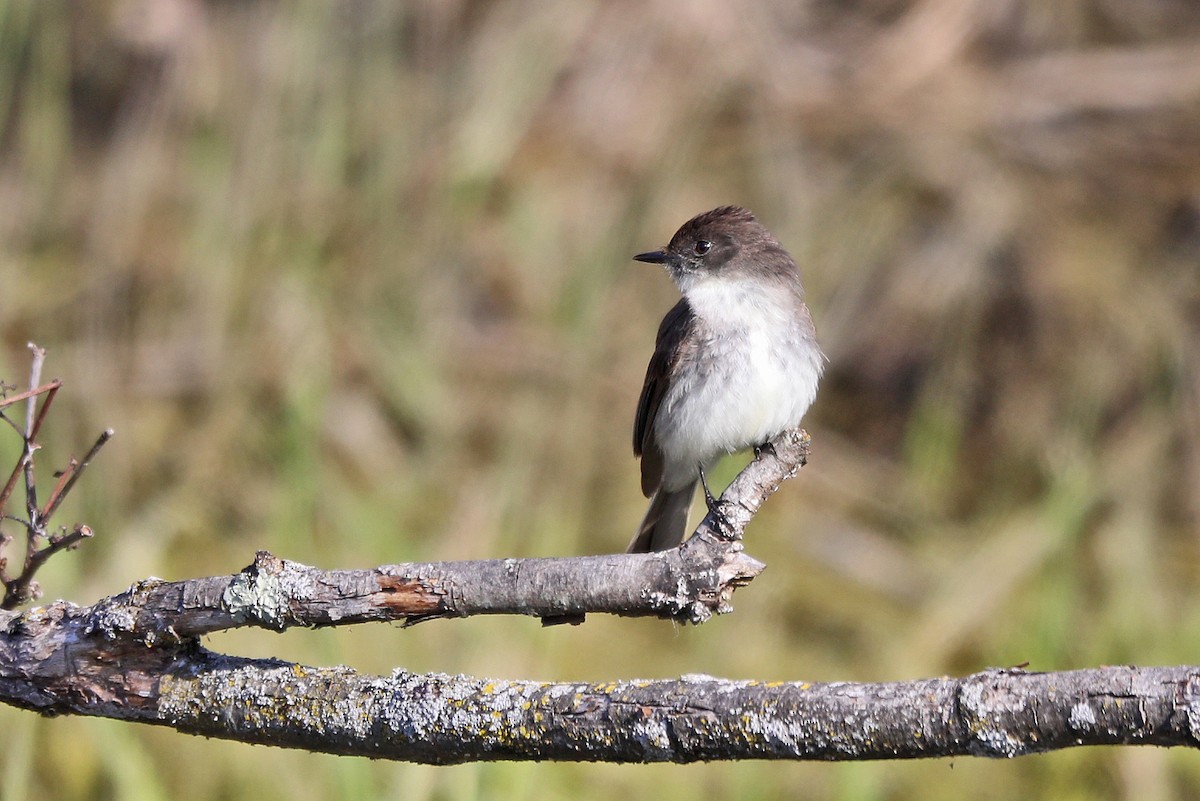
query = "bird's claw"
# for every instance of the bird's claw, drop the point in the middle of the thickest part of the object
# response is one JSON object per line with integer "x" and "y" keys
{"x": 714, "y": 507}
{"x": 762, "y": 448}
{"x": 709, "y": 500}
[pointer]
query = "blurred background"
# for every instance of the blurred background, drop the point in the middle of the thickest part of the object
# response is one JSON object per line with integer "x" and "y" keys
{"x": 352, "y": 282}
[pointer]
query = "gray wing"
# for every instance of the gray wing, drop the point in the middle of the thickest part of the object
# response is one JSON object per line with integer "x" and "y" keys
{"x": 672, "y": 333}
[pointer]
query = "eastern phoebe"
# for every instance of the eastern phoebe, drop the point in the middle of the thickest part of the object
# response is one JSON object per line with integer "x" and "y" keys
{"x": 735, "y": 363}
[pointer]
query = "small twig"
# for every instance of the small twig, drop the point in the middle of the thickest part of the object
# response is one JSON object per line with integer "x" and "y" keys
{"x": 35, "y": 375}
{"x": 23, "y": 588}
{"x": 33, "y": 425}
{"x": 29, "y": 393}
{"x": 45, "y": 407}
{"x": 63, "y": 477}
{"x": 10, "y": 485}
{"x": 11, "y": 424}
{"x": 71, "y": 475}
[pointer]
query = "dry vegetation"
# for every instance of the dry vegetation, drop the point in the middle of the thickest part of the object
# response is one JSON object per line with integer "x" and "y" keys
{"x": 352, "y": 281}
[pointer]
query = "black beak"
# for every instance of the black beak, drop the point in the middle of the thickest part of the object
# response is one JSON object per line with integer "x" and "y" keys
{"x": 653, "y": 257}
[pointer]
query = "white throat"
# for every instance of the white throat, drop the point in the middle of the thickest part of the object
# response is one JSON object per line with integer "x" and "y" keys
{"x": 740, "y": 303}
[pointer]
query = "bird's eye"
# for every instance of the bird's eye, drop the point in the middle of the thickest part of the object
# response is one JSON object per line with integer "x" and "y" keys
{"x": 702, "y": 247}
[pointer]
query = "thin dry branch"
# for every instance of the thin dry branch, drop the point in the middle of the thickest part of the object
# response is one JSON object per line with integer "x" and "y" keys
{"x": 32, "y": 425}
{"x": 29, "y": 393}
{"x": 40, "y": 543}
{"x": 71, "y": 474}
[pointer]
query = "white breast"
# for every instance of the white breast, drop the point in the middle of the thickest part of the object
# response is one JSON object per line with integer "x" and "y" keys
{"x": 754, "y": 376}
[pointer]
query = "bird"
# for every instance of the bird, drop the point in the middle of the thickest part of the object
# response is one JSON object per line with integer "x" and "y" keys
{"x": 736, "y": 362}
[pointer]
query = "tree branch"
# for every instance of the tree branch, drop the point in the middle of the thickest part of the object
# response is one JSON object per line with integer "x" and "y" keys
{"x": 22, "y": 588}
{"x": 74, "y": 469}
{"x": 687, "y": 584}
{"x": 28, "y": 448}
{"x": 445, "y": 719}
{"x": 18, "y": 590}
{"x": 137, "y": 656}
{"x": 66, "y": 660}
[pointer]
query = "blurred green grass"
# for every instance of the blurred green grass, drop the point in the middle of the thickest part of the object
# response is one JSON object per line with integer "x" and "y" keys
{"x": 352, "y": 282}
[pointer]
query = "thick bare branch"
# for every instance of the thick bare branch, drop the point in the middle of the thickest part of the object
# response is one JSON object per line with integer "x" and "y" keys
{"x": 67, "y": 660}
{"x": 443, "y": 719}
{"x": 137, "y": 656}
{"x": 688, "y": 584}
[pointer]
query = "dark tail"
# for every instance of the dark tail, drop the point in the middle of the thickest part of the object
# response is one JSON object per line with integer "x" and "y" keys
{"x": 665, "y": 523}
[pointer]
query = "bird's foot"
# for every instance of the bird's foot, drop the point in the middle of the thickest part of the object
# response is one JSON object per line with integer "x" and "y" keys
{"x": 709, "y": 500}
{"x": 765, "y": 447}
{"x": 723, "y": 526}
